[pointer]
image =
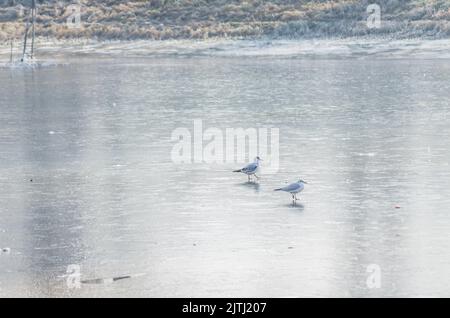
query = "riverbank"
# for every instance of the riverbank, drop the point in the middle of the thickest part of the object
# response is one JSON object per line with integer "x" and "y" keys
{"x": 252, "y": 19}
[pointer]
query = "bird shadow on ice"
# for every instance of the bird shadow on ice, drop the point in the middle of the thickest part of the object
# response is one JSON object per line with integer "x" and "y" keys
{"x": 296, "y": 206}
{"x": 250, "y": 185}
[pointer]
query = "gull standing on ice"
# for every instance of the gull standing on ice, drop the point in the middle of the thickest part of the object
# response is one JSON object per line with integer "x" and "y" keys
{"x": 294, "y": 188}
{"x": 251, "y": 169}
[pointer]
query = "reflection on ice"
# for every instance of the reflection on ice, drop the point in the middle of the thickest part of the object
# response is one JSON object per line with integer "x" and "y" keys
{"x": 251, "y": 185}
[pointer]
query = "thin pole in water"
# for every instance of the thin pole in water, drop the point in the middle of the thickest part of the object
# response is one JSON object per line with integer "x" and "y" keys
{"x": 12, "y": 46}
{"x": 33, "y": 13}
{"x": 25, "y": 41}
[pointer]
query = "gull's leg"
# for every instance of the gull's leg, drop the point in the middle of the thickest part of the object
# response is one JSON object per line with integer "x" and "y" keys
{"x": 295, "y": 196}
{"x": 256, "y": 176}
{"x": 248, "y": 177}
{"x": 293, "y": 199}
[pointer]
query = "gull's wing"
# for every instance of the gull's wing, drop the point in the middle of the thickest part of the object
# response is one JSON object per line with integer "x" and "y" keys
{"x": 292, "y": 187}
{"x": 250, "y": 168}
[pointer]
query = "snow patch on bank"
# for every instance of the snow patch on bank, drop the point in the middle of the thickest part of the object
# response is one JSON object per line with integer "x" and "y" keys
{"x": 329, "y": 48}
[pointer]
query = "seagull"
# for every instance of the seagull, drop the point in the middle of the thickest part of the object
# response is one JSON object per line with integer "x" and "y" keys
{"x": 251, "y": 169}
{"x": 294, "y": 188}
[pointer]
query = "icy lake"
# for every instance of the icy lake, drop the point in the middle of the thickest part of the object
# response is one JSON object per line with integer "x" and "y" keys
{"x": 87, "y": 181}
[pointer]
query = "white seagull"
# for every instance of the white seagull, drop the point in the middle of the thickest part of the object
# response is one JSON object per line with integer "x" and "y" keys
{"x": 251, "y": 169}
{"x": 294, "y": 188}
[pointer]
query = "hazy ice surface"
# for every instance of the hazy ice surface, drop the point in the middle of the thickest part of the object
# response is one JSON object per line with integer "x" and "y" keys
{"x": 94, "y": 136}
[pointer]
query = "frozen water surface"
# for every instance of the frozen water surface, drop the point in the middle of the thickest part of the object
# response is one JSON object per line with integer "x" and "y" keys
{"x": 86, "y": 178}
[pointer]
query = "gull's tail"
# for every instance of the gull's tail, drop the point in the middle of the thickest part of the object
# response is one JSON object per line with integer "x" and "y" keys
{"x": 240, "y": 170}
{"x": 278, "y": 189}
